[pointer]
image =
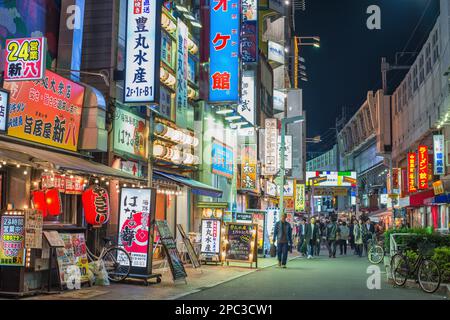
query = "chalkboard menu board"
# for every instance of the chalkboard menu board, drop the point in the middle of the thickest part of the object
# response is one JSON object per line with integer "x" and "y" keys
{"x": 241, "y": 242}
{"x": 189, "y": 247}
{"x": 170, "y": 248}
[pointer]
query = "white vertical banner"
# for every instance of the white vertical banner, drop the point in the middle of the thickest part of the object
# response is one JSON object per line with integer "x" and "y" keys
{"x": 182, "y": 74}
{"x": 287, "y": 151}
{"x": 438, "y": 158}
{"x": 270, "y": 165}
{"x": 142, "y": 60}
{"x": 247, "y": 106}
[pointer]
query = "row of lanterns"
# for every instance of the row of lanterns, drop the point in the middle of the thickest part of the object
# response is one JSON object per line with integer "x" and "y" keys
{"x": 175, "y": 135}
{"x": 174, "y": 155}
{"x": 171, "y": 27}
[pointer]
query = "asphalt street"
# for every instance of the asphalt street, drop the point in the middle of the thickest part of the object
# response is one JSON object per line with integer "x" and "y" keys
{"x": 344, "y": 277}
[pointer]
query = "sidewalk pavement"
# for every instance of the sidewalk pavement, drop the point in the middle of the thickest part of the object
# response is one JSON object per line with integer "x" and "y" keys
{"x": 197, "y": 280}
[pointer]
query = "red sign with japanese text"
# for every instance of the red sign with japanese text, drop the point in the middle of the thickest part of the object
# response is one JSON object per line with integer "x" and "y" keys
{"x": 46, "y": 111}
{"x": 412, "y": 172}
{"x": 423, "y": 167}
{"x": 25, "y": 59}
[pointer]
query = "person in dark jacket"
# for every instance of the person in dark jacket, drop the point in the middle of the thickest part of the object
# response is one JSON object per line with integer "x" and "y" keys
{"x": 283, "y": 236}
{"x": 301, "y": 237}
{"x": 332, "y": 231}
{"x": 312, "y": 236}
{"x": 351, "y": 236}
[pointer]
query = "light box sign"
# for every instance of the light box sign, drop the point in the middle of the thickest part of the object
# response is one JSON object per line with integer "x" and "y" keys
{"x": 12, "y": 241}
{"x": 276, "y": 52}
{"x": 4, "y": 102}
{"x": 249, "y": 163}
{"x": 249, "y": 31}
{"x": 271, "y": 189}
{"x": 271, "y": 147}
{"x": 287, "y": 151}
{"x": 247, "y": 106}
{"x": 25, "y": 59}
{"x": 136, "y": 217}
{"x": 423, "y": 167}
{"x": 47, "y": 111}
{"x": 299, "y": 197}
{"x": 331, "y": 178}
{"x": 412, "y": 172}
{"x": 438, "y": 159}
{"x": 210, "y": 241}
{"x": 182, "y": 74}
{"x": 142, "y": 51}
{"x": 288, "y": 190}
{"x": 222, "y": 159}
{"x": 130, "y": 134}
{"x": 224, "y": 51}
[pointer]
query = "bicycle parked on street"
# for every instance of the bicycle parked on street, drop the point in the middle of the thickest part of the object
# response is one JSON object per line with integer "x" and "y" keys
{"x": 423, "y": 269}
{"x": 375, "y": 250}
{"x": 116, "y": 260}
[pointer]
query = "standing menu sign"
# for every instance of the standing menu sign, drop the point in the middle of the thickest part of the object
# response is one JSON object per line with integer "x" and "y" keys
{"x": 33, "y": 229}
{"x": 242, "y": 242}
{"x": 136, "y": 217}
{"x": 73, "y": 256}
{"x": 12, "y": 241}
{"x": 190, "y": 249}
{"x": 170, "y": 248}
{"x": 211, "y": 238}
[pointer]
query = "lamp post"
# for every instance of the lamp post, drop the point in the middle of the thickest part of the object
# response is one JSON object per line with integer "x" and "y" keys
{"x": 284, "y": 122}
{"x": 297, "y": 43}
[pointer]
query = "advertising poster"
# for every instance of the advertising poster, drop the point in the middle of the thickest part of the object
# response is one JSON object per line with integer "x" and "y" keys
{"x": 47, "y": 111}
{"x": 222, "y": 159}
{"x": 438, "y": 159}
{"x": 25, "y": 59}
{"x": 73, "y": 254}
{"x": 249, "y": 163}
{"x": 142, "y": 51}
{"x": 65, "y": 184}
{"x": 4, "y": 101}
{"x": 182, "y": 74}
{"x": 299, "y": 197}
{"x": 12, "y": 241}
{"x": 241, "y": 242}
{"x": 270, "y": 165}
{"x": 272, "y": 218}
{"x": 210, "y": 237}
{"x": 130, "y": 134}
{"x": 224, "y": 51}
{"x": 259, "y": 220}
{"x": 33, "y": 229}
{"x": 136, "y": 210}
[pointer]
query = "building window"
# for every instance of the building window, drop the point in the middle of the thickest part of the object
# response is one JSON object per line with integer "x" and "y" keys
{"x": 421, "y": 72}
{"x": 428, "y": 57}
{"x": 415, "y": 82}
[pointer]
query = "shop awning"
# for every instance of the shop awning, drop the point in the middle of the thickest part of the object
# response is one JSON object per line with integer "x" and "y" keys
{"x": 197, "y": 187}
{"x": 60, "y": 161}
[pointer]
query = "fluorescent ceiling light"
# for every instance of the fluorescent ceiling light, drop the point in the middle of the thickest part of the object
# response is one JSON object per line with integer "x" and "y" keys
{"x": 233, "y": 118}
{"x": 196, "y": 24}
{"x": 189, "y": 16}
{"x": 181, "y": 8}
{"x": 225, "y": 111}
{"x": 241, "y": 123}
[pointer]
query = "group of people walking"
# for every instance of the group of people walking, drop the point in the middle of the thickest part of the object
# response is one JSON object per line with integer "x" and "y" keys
{"x": 330, "y": 231}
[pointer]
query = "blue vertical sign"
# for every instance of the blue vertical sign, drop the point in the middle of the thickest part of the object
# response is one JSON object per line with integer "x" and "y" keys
{"x": 224, "y": 51}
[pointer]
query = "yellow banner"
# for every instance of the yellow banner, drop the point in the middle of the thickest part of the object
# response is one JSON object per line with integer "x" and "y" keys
{"x": 299, "y": 197}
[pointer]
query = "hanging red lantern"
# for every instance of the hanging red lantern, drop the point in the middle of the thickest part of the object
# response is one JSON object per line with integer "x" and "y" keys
{"x": 39, "y": 201}
{"x": 96, "y": 206}
{"x": 53, "y": 202}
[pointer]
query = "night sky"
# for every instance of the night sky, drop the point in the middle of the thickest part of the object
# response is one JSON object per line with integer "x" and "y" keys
{"x": 347, "y": 64}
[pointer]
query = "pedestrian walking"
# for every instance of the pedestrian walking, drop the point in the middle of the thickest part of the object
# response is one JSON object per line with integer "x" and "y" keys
{"x": 312, "y": 237}
{"x": 351, "y": 236}
{"x": 360, "y": 233}
{"x": 344, "y": 233}
{"x": 331, "y": 236}
{"x": 301, "y": 247}
{"x": 369, "y": 232}
{"x": 283, "y": 235}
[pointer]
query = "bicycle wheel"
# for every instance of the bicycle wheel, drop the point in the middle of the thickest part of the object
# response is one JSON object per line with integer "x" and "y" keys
{"x": 376, "y": 254}
{"x": 117, "y": 263}
{"x": 429, "y": 276}
{"x": 400, "y": 269}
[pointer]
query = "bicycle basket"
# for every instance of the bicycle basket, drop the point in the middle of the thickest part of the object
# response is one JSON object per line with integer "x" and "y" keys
{"x": 426, "y": 248}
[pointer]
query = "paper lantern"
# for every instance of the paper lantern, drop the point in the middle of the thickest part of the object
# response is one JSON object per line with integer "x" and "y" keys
{"x": 38, "y": 199}
{"x": 96, "y": 206}
{"x": 53, "y": 202}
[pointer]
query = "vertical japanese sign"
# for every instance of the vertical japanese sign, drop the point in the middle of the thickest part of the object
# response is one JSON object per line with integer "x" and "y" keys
{"x": 270, "y": 165}
{"x": 12, "y": 241}
{"x": 4, "y": 101}
{"x": 25, "y": 59}
{"x": 287, "y": 151}
{"x": 249, "y": 31}
{"x": 247, "y": 106}
{"x": 33, "y": 229}
{"x": 396, "y": 172}
{"x": 248, "y": 167}
{"x": 438, "y": 159}
{"x": 47, "y": 111}
{"x": 135, "y": 217}
{"x": 299, "y": 197}
{"x": 142, "y": 51}
{"x": 222, "y": 159}
{"x": 224, "y": 51}
{"x": 423, "y": 167}
{"x": 210, "y": 237}
{"x": 130, "y": 134}
{"x": 412, "y": 172}
{"x": 182, "y": 74}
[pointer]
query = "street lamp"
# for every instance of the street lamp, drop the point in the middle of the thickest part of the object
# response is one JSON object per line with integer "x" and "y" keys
{"x": 285, "y": 122}
{"x": 298, "y": 42}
